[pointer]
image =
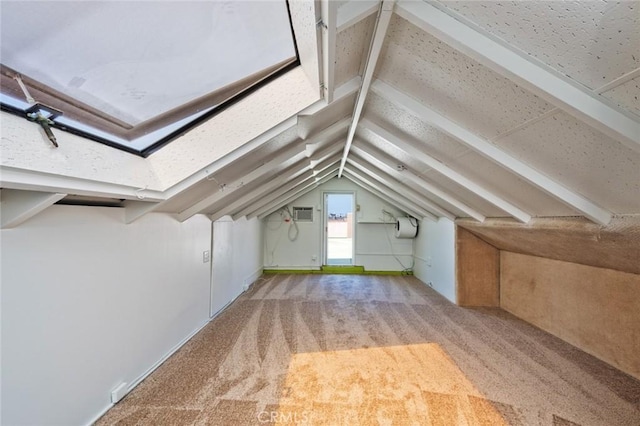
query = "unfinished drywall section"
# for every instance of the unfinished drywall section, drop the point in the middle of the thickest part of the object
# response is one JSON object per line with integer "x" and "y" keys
{"x": 595, "y": 309}
{"x": 571, "y": 239}
{"x": 376, "y": 247}
{"x": 89, "y": 302}
{"x": 477, "y": 271}
{"x": 236, "y": 260}
{"x": 434, "y": 256}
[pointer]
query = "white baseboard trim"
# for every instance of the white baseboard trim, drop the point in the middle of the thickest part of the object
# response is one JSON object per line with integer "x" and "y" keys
{"x": 248, "y": 282}
{"x": 150, "y": 370}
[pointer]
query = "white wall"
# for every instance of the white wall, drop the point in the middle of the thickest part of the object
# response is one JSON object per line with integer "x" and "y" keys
{"x": 434, "y": 250}
{"x": 375, "y": 242}
{"x": 237, "y": 259}
{"x": 89, "y": 302}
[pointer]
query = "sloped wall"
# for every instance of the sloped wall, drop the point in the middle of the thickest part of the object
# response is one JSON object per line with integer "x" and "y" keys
{"x": 571, "y": 239}
{"x": 570, "y": 277}
{"x": 595, "y": 309}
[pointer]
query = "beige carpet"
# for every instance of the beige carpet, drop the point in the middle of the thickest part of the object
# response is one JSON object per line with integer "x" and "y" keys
{"x": 369, "y": 350}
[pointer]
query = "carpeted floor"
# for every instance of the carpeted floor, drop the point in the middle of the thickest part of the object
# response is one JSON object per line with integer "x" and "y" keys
{"x": 374, "y": 350}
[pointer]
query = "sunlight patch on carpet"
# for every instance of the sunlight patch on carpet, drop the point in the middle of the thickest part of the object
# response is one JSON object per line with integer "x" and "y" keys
{"x": 383, "y": 385}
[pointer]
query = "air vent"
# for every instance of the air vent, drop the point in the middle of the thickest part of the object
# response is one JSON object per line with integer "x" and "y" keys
{"x": 303, "y": 214}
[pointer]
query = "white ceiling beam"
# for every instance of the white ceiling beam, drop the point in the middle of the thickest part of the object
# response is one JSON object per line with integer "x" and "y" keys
{"x": 388, "y": 194}
{"x": 421, "y": 183}
{"x": 329, "y": 16}
{"x": 382, "y": 24}
{"x": 451, "y": 174}
{"x": 295, "y": 193}
{"x": 290, "y": 155}
{"x": 328, "y": 135}
{"x": 257, "y": 194}
{"x": 269, "y": 197}
{"x": 28, "y": 180}
{"x": 134, "y": 210}
{"x": 354, "y": 11}
{"x": 522, "y": 70}
{"x": 285, "y": 159}
{"x": 399, "y": 188}
{"x": 285, "y": 176}
{"x": 380, "y": 195}
{"x": 19, "y": 206}
{"x": 492, "y": 152}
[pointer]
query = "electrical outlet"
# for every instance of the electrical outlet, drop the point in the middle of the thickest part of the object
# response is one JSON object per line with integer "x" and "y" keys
{"x": 428, "y": 260}
{"x": 314, "y": 258}
{"x": 206, "y": 256}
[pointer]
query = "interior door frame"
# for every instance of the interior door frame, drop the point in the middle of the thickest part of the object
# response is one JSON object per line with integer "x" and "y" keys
{"x": 325, "y": 224}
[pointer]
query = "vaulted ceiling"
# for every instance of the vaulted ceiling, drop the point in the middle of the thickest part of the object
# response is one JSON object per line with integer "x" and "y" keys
{"x": 465, "y": 109}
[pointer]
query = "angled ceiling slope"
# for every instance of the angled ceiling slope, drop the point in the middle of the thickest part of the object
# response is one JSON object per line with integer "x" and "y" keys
{"x": 448, "y": 109}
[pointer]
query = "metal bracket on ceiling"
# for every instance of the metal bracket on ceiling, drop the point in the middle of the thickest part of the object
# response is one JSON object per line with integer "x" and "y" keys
{"x": 39, "y": 113}
{"x": 36, "y": 113}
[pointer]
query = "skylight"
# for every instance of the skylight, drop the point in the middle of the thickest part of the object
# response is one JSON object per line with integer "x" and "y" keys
{"x": 134, "y": 74}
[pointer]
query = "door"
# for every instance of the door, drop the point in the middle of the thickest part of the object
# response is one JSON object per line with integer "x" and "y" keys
{"x": 339, "y": 227}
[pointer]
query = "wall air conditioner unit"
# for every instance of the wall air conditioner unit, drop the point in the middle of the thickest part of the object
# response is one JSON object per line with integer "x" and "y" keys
{"x": 303, "y": 214}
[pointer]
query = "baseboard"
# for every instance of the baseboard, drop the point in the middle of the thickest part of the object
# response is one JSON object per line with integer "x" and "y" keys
{"x": 332, "y": 271}
{"x": 248, "y": 282}
{"x": 144, "y": 375}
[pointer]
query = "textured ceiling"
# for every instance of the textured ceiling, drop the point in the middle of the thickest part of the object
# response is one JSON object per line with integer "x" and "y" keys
{"x": 433, "y": 121}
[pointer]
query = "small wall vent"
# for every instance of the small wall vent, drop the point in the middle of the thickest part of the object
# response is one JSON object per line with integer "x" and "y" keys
{"x": 303, "y": 214}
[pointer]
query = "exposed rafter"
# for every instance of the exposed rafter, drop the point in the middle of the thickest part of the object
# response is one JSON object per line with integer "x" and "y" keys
{"x": 379, "y": 33}
{"x": 32, "y": 180}
{"x": 135, "y": 210}
{"x": 521, "y": 69}
{"x": 492, "y": 152}
{"x": 399, "y": 187}
{"x": 354, "y": 11}
{"x": 20, "y": 206}
{"x": 381, "y": 195}
{"x": 286, "y": 179}
{"x": 329, "y": 16}
{"x": 295, "y": 193}
{"x": 446, "y": 171}
{"x": 319, "y": 170}
{"x": 421, "y": 183}
{"x": 254, "y": 196}
{"x": 389, "y": 193}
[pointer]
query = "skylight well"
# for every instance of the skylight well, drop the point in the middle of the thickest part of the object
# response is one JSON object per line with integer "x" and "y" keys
{"x": 135, "y": 75}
